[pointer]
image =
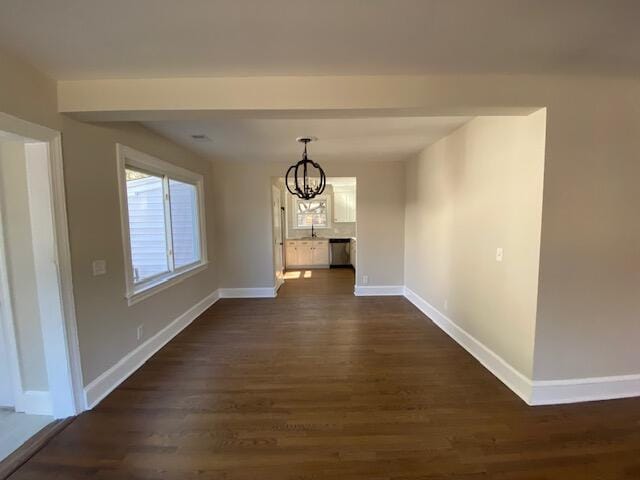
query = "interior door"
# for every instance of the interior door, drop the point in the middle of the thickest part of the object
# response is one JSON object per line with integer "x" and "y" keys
{"x": 277, "y": 235}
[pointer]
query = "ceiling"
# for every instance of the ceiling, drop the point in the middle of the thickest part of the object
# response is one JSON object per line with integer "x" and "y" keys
{"x": 78, "y": 39}
{"x": 339, "y": 139}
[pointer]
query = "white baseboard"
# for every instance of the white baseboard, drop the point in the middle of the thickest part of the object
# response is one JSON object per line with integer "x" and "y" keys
{"x": 35, "y": 402}
{"x": 109, "y": 380}
{"x": 378, "y": 290}
{"x": 533, "y": 392}
{"x": 550, "y": 392}
{"x": 268, "y": 292}
{"x": 512, "y": 378}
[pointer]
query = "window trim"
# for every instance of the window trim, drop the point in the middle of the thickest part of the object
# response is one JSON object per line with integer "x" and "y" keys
{"x": 315, "y": 227}
{"x": 136, "y": 160}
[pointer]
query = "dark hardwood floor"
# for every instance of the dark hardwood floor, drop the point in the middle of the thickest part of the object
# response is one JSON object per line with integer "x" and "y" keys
{"x": 319, "y": 384}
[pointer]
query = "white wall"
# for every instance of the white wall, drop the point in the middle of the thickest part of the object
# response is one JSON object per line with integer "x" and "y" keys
{"x": 478, "y": 189}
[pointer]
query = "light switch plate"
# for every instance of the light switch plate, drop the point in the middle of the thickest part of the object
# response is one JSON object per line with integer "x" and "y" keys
{"x": 99, "y": 267}
{"x": 499, "y": 254}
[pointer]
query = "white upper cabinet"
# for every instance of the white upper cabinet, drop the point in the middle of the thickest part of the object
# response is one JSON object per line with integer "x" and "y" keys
{"x": 344, "y": 204}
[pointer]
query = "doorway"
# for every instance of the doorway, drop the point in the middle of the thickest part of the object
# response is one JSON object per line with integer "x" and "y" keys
{"x": 319, "y": 236}
{"x": 40, "y": 378}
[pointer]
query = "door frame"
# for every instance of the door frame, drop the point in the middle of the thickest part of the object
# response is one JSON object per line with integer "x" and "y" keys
{"x": 60, "y": 332}
{"x": 278, "y": 273}
{"x": 8, "y": 333}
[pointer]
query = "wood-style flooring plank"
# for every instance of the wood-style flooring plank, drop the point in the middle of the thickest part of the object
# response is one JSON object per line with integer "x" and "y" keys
{"x": 320, "y": 384}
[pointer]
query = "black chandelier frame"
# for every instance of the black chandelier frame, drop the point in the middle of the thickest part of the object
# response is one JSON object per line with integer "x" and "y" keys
{"x": 306, "y": 190}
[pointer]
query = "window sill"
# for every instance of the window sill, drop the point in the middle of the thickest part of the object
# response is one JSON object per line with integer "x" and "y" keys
{"x": 162, "y": 283}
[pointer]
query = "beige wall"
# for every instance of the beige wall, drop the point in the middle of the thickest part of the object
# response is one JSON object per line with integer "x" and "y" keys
{"x": 588, "y": 302}
{"x": 106, "y": 325}
{"x": 14, "y": 201}
{"x": 478, "y": 189}
{"x": 26, "y": 93}
{"x": 244, "y": 234}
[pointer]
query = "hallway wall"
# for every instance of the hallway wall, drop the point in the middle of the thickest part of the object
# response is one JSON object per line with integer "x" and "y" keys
{"x": 590, "y": 262}
{"x": 478, "y": 189}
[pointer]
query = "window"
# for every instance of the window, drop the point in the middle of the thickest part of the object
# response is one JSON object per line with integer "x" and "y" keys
{"x": 162, "y": 223}
{"x": 311, "y": 212}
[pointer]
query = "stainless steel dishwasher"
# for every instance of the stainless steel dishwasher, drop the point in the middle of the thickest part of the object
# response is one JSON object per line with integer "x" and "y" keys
{"x": 339, "y": 249}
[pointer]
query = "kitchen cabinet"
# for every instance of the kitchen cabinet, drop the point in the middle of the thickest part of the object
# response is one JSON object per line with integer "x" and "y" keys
{"x": 291, "y": 253}
{"x": 344, "y": 204}
{"x": 307, "y": 253}
{"x": 320, "y": 252}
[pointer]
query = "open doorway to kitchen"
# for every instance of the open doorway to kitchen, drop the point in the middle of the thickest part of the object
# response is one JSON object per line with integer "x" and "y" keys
{"x": 39, "y": 361}
{"x": 317, "y": 238}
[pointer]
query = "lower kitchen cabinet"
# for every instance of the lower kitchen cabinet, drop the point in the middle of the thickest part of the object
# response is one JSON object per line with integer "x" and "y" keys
{"x": 307, "y": 253}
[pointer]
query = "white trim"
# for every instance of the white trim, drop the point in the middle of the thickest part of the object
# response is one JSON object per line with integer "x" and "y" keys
{"x": 164, "y": 282}
{"x": 63, "y": 361}
{"x": 64, "y": 270}
{"x": 550, "y": 392}
{"x": 127, "y": 156}
{"x": 268, "y": 292}
{"x": 512, "y": 378}
{"x": 278, "y": 271}
{"x": 151, "y": 164}
{"x": 36, "y": 402}
{"x": 378, "y": 290}
{"x": 8, "y": 325}
{"x": 114, "y": 376}
{"x": 533, "y": 392}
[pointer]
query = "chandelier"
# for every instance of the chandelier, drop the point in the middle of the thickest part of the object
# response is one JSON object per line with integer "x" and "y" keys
{"x": 307, "y": 177}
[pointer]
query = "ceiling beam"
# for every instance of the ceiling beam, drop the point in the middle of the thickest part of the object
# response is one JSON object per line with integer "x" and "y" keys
{"x": 299, "y": 97}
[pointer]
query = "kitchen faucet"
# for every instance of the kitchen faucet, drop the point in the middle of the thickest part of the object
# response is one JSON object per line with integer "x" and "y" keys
{"x": 313, "y": 233}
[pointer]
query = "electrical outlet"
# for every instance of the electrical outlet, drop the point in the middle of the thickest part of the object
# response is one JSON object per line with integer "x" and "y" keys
{"x": 139, "y": 332}
{"x": 446, "y": 304}
{"x": 499, "y": 254}
{"x": 365, "y": 279}
{"x": 99, "y": 267}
